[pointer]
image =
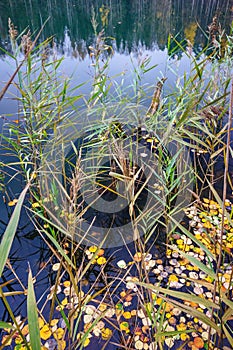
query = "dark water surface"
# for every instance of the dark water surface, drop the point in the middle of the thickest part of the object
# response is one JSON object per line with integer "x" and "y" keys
{"x": 140, "y": 29}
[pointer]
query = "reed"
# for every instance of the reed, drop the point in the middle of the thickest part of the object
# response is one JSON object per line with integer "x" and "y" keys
{"x": 170, "y": 285}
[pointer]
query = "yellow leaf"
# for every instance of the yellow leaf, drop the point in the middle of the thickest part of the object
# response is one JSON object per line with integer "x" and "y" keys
{"x": 127, "y": 315}
{"x": 25, "y": 330}
{"x": 124, "y": 326}
{"x": 93, "y": 249}
{"x": 101, "y": 260}
{"x": 173, "y": 278}
{"x": 102, "y": 307}
{"x": 61, "y": 344}
{"x": 41, "y": 322}
{"x": 66, "y": 284}
{"x": 206, "y": 200}
{"x": 12, "y": 203}
{"x": 106, "y": 333}
{"x": 45, "y": 332}
{"x": 64, "y": 302}
{"x": 8, "y": 343}
{"x": 181, "y": 327}
{"x": 58, "y": 334}
{"x": 137, "y": 257}
{"x": 35, "y": 205}
{"x": 184, "y": 336}
{"x": 86, "y": 342}
{"x": 54, "y": 322}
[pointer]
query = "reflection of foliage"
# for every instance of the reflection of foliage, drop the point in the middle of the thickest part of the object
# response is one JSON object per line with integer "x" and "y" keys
{"x": 190, "y": 32}
{"x": 131, "y": 23}
{"x": 104, "y": 11}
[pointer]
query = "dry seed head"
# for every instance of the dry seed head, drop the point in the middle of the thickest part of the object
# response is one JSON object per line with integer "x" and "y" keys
{"x": 26, "y": 43}
{"x": 12, "y": 30}
{"x": 45, "y": 55}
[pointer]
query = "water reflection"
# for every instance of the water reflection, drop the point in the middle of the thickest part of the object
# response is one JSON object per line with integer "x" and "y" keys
{"x": 133, "y": 24}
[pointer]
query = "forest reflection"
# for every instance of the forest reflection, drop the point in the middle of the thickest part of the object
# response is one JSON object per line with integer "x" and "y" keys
{"x": 134, "y": 25}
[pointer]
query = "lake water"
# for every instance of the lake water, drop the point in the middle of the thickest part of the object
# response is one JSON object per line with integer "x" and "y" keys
{"x": 140, "y": 29}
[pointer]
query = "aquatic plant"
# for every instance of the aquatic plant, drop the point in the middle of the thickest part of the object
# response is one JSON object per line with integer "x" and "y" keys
{"x": 170, "y": 285}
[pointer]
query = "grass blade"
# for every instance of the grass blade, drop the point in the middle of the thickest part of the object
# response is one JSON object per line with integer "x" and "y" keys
{"x": 199, "y": 264}
{"x": 5, "y": 325}
{"x": 10, "y": 231}
{"x": 33, "y": 323}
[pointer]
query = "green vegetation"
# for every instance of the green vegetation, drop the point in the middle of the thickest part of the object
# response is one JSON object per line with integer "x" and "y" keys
{"x": 170, "y": 286}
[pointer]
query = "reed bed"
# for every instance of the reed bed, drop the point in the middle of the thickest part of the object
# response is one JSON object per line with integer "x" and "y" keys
{"x": 166, "y": 283}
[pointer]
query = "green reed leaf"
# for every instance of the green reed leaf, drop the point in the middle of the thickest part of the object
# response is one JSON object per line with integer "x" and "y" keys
{"x": 33, "y": 322}
{"x": 10, "y": 231}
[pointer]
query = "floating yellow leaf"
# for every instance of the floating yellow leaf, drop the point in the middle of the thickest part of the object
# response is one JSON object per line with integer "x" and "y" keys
{"x": 54, "y": 322}
{"x": 12, "y": 203}
{"x": 93, "y": 249}
{"x": 45, "y": 332}
{"x": 207, "y": 224}
{"x": 106, "y": 333}
{"x": 35, "y": 205}
{"x": 124, "y": 326}
{"x": 172, "y": 321}
{"x": 101, "y": 260}
{"x": 127, "y": 314}
{"x": 180, "y": 241}
{"x": 123, "y": 294}
{"x": 8, "y": 343}
{"x": 159, "y": 301}
{"x": 58, "y": 334}
{"x": 18, "y": 339}
{"x": 133, "y": 312}
{"x": 184, "y": 336}
{"x": 64, "y": 302}
{"x": 173, "y": 278}
{"x": 86, "y": 342}
{"x": 206, "y": 200}
{"x": 61, "y": 344}
{"x": 102, "y": 307}
{"x": 137, "y": 257}
{"x": 25, "y": 330}
{"x": 181, "y": 327}
{"x": 168, "y": 307}
{"x": 41, "y": 322}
